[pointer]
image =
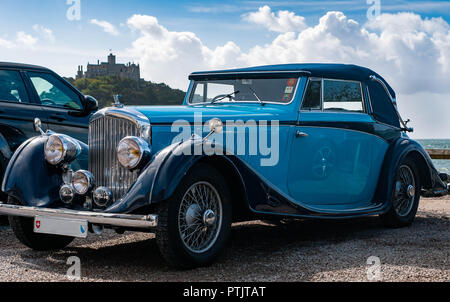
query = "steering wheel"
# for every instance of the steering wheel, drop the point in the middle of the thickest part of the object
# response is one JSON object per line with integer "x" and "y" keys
{"x": 48, "y": 101}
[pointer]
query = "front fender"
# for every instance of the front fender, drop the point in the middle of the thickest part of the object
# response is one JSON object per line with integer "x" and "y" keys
{"x": 396, "y": 153}
{"x": 158, "y": 181}
{"x": 31, "y": 179}
{"x": 159, "y": 178}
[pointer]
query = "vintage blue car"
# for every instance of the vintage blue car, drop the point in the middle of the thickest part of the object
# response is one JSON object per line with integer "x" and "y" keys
{"x": 271, "y": 142}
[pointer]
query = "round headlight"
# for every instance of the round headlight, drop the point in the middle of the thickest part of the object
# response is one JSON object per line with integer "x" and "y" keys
{"x": 61, "y": 149}
{"x": 132, "y": 152}
{"x": 82, "y": 182}
{"x": 66, "y": 194}
{"x": 102, "y": 196}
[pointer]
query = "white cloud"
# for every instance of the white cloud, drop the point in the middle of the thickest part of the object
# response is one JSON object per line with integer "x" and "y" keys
{"x": 26, "y": 39}
{"x": 106, "y": 26}
{"x": 411, "y": 52}
{"x": 44, "y": 32}
{"x": 6, "y": 44}
{"x": 169, "y": 56}
{"x": 215, "y": 9}
{"x": 281, "y": 22}
{"x": 428, "y": 113}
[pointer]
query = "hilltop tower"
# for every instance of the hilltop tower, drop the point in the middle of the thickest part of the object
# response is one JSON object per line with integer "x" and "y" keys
{"x": 80, "y": 72}
{"x": 111, "y": 68}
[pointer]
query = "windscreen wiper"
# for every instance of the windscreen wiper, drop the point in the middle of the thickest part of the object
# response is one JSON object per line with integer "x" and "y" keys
{"x": 219, "y": 98}
{"x": 256, "y": 96}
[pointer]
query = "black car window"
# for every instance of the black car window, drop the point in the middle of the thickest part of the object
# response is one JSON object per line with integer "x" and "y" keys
{"x": 342, "y": 95}
{"x": 313, "y": 93}
{"x": 12, "y": 88}
{"x": 53, "y": 92}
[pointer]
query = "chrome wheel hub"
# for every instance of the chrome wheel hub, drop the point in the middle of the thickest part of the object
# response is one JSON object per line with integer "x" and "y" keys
{"x": 209, "y": 218}
{"x": 411, "y": 191}
{"x": 200, "y": 217}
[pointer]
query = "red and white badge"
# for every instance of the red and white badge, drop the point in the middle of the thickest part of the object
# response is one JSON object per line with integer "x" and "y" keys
{"x": 291, "y": 82}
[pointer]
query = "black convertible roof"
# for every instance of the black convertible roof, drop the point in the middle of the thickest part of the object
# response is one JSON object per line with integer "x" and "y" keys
{"x": 334, "y": 71}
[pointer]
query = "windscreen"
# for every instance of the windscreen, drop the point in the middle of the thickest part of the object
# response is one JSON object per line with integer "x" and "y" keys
{"x": 279, "y": 90}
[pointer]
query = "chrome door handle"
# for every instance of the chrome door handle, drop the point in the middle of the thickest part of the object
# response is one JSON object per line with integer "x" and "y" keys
{"x": 301, "y": 134}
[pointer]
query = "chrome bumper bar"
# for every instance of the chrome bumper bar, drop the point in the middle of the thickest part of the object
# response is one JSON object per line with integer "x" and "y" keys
{"x": 120, "y": 220}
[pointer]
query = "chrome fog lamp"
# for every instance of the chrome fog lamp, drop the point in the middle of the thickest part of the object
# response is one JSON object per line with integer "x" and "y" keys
{"x": 132, "y": 152}
{"x": 61, "y": 149}
{"x": 82, "y": 182}
{"x": 66, "y": 194}
{"x": 102, "y": 196}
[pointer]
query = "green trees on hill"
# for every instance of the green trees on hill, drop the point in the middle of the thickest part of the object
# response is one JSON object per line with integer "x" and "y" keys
{"x": 148, "y": 93}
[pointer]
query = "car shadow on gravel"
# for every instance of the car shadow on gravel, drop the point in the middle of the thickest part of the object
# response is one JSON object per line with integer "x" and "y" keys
{"x": 4, "y": 221}
{"x": 256, "y": 250}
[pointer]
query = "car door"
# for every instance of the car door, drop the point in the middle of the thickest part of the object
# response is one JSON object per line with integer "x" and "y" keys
{"x": 17, "y": 111}
{"x": 336, "y": 158}
{"x": 62, "y": 105}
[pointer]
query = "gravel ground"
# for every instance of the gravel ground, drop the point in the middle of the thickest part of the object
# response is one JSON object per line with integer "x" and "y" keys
{"x": 300, "y": 251}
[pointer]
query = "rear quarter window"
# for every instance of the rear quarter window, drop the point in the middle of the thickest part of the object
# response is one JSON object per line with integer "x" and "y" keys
{"x": 333, "y": 95}
{"x": 342, "y": 95}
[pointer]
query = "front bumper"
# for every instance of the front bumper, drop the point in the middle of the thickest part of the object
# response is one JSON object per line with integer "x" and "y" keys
{"x": 109, "y": 219}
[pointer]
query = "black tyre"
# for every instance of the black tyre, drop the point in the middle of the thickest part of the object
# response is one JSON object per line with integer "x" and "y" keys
{"x": 3, "y": 197}
{"x": 405, "y": 195}
{"x": 194, "y": 224}
{"x": 23, "y": 229}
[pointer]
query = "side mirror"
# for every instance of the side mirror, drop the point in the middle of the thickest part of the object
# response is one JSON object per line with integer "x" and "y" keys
{"x": 37, "y": 125}
{"x": 90, "y": 104}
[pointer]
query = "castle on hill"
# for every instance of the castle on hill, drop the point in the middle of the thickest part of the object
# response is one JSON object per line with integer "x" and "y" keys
{"x": 111, "y": 68}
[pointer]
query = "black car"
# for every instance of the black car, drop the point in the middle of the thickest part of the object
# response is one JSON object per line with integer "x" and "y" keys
{"x": 28, "y": 92}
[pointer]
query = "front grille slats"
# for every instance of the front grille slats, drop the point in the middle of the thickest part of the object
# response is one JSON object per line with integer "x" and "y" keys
{"x": 105, "y": 134}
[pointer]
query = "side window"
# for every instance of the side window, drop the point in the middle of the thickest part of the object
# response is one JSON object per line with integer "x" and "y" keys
{"x": 312, "y": 100}
{"x": 53, "y": 92}
{"x": 342, "y": 95}
{"x": 12, "y": 88}
{"x": 199, "y": 94}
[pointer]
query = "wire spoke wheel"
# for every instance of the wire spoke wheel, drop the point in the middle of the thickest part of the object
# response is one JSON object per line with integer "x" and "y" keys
{"x": 200, "y": 217}
{"x": 405, "y": 191}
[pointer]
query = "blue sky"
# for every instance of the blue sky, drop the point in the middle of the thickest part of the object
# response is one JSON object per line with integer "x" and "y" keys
{"x": 213, "y": 21}
{"x": 408, "y": 43}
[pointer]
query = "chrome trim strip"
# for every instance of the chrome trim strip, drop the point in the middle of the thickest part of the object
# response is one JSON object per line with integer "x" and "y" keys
{"x": 375, "y": 78}
{"x": 248, "y": 72}
{"x": 132, "y": 115}
{"x": 121, "y": 220}
{"x": 294, "y": 97}
{"x": 322, "y": 93}
{"x": 346, "y": 129}
{"x": 369, "y": 99}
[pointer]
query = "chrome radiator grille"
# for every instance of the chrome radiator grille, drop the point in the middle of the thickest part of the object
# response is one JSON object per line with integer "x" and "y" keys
{"x": 105, "y": 134}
